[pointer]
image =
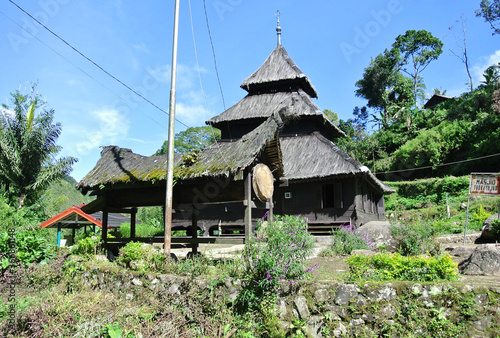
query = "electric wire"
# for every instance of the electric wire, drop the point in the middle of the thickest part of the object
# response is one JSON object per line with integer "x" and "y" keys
{"x": 213, "y": 53}
{"x": 437, "y": 165}
{"x": 83, "y": 71}
{"x": 95, "y": 64}
{"x": 201, "y": 83}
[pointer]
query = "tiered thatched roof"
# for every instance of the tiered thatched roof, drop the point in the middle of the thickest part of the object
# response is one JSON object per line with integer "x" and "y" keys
{"x": 122, "y": 166}
{"x": 278, "y": 70}
{"x": 278, "y": 83}
{"x": 313, "y": 156}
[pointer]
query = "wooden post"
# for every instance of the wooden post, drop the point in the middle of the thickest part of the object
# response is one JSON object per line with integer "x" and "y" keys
{"x": 73, "y": 234}
{"x": 104, "y": 233}
{"x": 133, "y": 212}
{"x": 248, "y": 203}
{"x": 194, "y": 228}
{"x": 270, "y": 215}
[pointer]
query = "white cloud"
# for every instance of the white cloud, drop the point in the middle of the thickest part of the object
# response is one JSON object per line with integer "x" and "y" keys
{"x": 479, "y": 68}
{"x": 141, "y": 46}
{"x": 108, "y": 127}
{"x": 187, "y": 76}
{"x": 191, "y": 114}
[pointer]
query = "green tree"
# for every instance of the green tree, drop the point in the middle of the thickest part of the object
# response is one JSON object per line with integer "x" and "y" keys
{"x": 418, "y": 49}
{"x": 28, "y": 148}
{"x": 385, "y": 88}
{"x": 490, "y": 12}
{"x": 191, "y": 139}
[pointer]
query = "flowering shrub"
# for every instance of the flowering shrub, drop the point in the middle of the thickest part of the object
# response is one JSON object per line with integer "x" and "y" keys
{"x": 274, "y": 256}
{"x": 346, "y": 239}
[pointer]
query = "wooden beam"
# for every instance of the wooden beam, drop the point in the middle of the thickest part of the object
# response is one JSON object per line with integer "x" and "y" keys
{"x": 133, "y": 212}
{"x": 105, "y": 226}
{"x": 248, "y": 203}
{"x": 194, "y": 229}
{"x": 184, "y": 240}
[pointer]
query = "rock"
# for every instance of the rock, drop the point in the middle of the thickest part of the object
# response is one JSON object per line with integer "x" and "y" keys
{"x": 388, "y": 311}
{"x": 174, "y": 289}
{"x": 300, "y": 304}
{"x": 379, "y": 234}
{"x": 461, "y": 251}
{"x": 363, "y": 252}
{"x": 281, "y": 309}
{"x": 379, "y": 294}
{"x": 321, "y": 295}
{"x": 356, "y": 322}
{"x": 487, "y": 235}
{"x": 340, "y": 331}
{"x": 314, "y": 325}
{"x": 346, "y": 292}
{"x": 484, "y": 260}
{"x": 136, "y": 282}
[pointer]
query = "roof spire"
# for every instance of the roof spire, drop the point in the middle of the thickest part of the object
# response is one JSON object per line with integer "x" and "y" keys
{"x": 278, "y": 28}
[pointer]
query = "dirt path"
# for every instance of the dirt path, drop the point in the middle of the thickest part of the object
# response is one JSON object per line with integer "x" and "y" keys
{"x": 333, "y": 268}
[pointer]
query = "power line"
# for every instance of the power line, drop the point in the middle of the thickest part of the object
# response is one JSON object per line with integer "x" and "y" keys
{"x": 437, "y": 165}
{"x": 94, "y": 63}
{"x": 80, "y": 69}
{"x": 213, "y": 53}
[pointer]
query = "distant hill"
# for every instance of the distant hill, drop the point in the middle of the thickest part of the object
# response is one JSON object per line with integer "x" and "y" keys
{"x": 62, "y": 195}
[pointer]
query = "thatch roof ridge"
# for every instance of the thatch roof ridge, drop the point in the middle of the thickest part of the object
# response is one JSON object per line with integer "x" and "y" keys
{"x": 298, "y": 103}
{"x": 121, "y": 165}
{"x": 278, "y": 68}
{"x": 229, "y": 158}
{"x": 264, "y": 105}
{"x": 314, "y": 156}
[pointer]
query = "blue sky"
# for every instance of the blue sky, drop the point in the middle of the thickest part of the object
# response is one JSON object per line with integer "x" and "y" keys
{"x": 331, "y": 41}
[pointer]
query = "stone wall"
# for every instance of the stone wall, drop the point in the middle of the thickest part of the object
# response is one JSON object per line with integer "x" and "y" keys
{"x": 329, "y": 308}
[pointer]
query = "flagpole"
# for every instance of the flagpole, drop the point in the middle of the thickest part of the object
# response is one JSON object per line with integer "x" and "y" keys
{"x": 171, "y": 133}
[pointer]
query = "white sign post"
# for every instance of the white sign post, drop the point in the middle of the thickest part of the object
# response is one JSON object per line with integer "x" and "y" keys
{"x": 482, "y": 184}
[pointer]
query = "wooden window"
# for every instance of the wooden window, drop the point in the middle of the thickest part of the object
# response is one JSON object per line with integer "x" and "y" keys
{"x": 332, "y": 196}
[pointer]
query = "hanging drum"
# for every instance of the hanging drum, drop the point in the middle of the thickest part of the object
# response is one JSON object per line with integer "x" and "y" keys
{"x": 263, "y": 182}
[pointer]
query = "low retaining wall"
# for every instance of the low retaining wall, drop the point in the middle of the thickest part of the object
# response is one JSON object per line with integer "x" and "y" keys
{"x": 329, "y": 308}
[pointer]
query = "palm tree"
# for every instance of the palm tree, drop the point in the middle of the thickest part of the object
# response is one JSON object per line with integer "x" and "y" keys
{"x": 28, "y": 148}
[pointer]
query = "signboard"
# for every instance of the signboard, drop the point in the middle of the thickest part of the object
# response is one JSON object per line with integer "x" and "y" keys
{"x": 487, "y": 184}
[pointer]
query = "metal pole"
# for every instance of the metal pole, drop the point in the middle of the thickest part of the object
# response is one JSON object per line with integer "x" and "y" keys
{"x": 171, "y": 125}
{"x": 466, "y": 218}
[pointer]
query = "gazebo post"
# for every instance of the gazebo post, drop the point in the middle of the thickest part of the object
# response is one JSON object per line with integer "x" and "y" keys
{"x": 105, "y": 226}
{"x": 133, "y": 212}
{"x": 58, "y": 235}
{"x": 248, "y": 204}
{"x": 73, "y": 233}
{"x": 194, "y": 228}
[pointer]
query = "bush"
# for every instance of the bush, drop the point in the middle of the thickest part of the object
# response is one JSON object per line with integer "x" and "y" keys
{"x": 495, "y": 226}
{"x": 275, "y": 255}
{"x": 28, "y": 246}
{"x": 390, "y": 267}
{"x": 142, "y": 257}
{"x": 87, "y": 246}
{"x": 480, "y": 215}
{"x": 415, "y": 239}
{"x": 346, "y": 239}
{"x": 141, "y": 230}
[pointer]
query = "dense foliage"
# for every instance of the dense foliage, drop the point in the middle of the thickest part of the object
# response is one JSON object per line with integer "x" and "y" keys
{"x": 490, "y": 12}
{"x": 28, "y": 148}
{"x": 390, "y": 267}
{"x": 463, "y": 131}
{"x": 192, "y": 139}
{"x": 274, "y": 256}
